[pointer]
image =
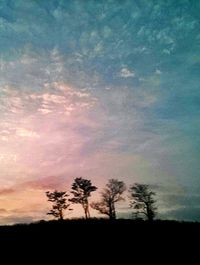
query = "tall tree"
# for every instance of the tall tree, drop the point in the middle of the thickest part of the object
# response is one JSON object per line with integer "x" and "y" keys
{"x": 81, "y": 190}
{"x": 142, "y": 200}
{"x": 60, "y": 203}
{"x": 109, "y": 197}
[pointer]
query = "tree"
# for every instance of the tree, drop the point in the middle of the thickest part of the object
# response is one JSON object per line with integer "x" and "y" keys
{"x": 111, "y": 195}
{"x": 142, "y": 200}
{"x": 60, "y": 203}
{"x": 81, "y": 190}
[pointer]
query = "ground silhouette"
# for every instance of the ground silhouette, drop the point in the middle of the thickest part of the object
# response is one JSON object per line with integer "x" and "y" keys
{"x": 98, "y": 229}
{"x": 101, "y": 241}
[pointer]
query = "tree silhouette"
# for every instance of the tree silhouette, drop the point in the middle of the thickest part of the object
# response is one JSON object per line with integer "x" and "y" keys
{"x": 81, "y": 189}
{"x": 60, "y": 203}
{"x": 111, "y": 194}
{"x": 142, "y": 200}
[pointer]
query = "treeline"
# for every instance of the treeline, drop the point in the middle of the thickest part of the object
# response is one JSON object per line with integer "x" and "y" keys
{"x": 141, "y": 199}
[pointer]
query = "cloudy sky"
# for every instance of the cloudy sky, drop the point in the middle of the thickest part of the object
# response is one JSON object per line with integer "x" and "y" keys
{"x": 100, "y": 89}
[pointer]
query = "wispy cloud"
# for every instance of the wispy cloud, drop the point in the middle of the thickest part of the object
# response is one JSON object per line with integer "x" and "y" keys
{"x": 125, "y": 72}
{"x": 26, "y": 133}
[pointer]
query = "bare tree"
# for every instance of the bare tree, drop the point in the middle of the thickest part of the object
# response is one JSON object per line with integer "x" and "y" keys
{"x": 111, "y": 195}
{"x": 60, "y": 203}
{"x": 142, "y": 200}
{"x": 81, "y": 189}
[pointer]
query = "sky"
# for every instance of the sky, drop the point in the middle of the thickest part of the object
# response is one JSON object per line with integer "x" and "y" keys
{"x": 99, "y": 89}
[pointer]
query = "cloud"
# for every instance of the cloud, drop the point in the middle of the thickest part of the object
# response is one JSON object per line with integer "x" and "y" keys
{"x": 45, "y": 183}
{"x": 125, "y": 72}
{"x": 26, "y": 133}
{"x": 66, "y": 99}
{"x": 10, "y": 101}
{"x": 45, "y": 110}
{"x": 186, "y": 213}
{"x": 6, "y": 191}
{"x": 2, "y": 211}
{"x": 158, "y": 72}
{"x": 49, "y": 98}
{"x": 16, "y": 219}
{"x": 181, "y": 199}
{"x": 176, "y": 202}
{"x": 69, "y": 91}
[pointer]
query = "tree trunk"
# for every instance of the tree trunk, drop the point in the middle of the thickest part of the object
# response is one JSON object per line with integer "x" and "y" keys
{"x": 86, "y": 217}
{"x": 113, "y": 211}
{"x": 87, "y": 213}
{"x": 60, "y": 215}
{"x": 114, "y": 214}
{"x": 149, "y": 214}
{"x": 110, "y": 211}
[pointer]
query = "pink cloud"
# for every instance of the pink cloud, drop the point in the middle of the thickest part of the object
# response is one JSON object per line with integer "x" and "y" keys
{"x": 6, "y": 191}
{"x": 45, "y": 183}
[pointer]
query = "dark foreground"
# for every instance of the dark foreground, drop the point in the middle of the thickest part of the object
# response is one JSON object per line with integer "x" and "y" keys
{"x": 99, "y": 241}
{"x": 95, "y": 229}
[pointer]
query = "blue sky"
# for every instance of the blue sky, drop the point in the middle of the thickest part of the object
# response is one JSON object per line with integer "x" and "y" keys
{"x": 101, "y": 89}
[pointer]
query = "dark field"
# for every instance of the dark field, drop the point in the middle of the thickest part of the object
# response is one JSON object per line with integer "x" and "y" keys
{"x": 100, "y": 241}
{"x": 97, "y": 229}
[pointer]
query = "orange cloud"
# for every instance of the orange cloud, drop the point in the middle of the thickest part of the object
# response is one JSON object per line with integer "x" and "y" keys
{"x": 6, "y": 191}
